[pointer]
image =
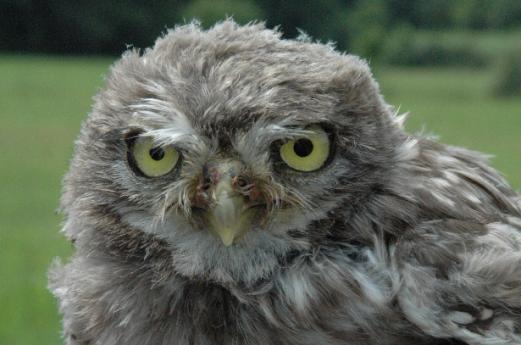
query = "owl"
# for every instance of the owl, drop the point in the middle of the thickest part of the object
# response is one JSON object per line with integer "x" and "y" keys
{"x": 231, "y": 187}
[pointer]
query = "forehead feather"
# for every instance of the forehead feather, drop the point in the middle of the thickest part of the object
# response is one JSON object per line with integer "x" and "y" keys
{"x": 230, "y": 76}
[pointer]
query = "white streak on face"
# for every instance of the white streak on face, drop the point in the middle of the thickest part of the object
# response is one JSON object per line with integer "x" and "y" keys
{"x": 166, "y": 124}
{"x": 254, "y": 145}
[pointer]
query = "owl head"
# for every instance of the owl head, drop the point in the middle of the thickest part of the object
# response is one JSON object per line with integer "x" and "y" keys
{"x": 227, "y": 151}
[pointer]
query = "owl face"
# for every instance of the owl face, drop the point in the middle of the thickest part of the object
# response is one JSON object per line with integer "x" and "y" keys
{"x": 232, "y": 146}
{"x": 231, "y": 189}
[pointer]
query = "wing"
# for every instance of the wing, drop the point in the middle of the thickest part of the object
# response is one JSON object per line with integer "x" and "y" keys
{"x": 462, "y": 279}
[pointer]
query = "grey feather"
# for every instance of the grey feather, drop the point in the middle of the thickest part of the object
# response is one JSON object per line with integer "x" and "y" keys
{"x": 397, "y": 239}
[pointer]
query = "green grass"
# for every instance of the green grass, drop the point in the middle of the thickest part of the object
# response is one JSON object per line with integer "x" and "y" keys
{"x": 456, "y": 105}
{"x": 43, "y": 100}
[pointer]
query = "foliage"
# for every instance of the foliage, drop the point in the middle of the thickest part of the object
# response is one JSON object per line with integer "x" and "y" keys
{"x": 486, "y": 14}
{"x": 104, "y": 27}
{"x": 508, "y": 76}
{"x": 367, "y": 23}
{"x": 425, "y": 14}
{"x": 85, "y": 27}
{"x": 212, "y": 11}
{"x": 322, "y": 19}
{"x": 404, "y": 47}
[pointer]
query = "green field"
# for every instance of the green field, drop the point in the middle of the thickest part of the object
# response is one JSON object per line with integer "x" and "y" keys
{"x": 43, "y": 100}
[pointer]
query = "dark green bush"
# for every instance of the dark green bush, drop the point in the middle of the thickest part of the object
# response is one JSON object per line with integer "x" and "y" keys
{"x": 404, "y": 47}
{"x": 366, "y": 25}
{"x": 397, "y": 47}
{"x": 507, "y": 81}
{"x": 211, "y": 11}
{"x": 358, "y": 26}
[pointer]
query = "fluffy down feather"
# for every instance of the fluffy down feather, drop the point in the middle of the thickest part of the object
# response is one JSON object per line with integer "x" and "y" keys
{"x": 396, "y": 240}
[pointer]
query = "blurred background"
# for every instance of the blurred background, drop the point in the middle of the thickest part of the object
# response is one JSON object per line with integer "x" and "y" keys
{"x": 455, "y": 65}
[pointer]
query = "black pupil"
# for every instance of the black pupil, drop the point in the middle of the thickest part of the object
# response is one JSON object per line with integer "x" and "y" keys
{"x": 156, "y": 153}
{"x": 303, "y": 147}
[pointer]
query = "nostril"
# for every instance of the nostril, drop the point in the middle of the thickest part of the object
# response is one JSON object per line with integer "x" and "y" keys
{"x": 241, "y": 182}
{"x": 207, "y": 182}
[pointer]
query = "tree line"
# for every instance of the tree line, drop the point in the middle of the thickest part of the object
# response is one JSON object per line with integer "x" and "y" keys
{"x": 107, "y": 27}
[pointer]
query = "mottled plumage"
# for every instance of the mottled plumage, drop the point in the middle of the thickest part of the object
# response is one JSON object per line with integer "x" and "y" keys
{"x": 396, "y": 239}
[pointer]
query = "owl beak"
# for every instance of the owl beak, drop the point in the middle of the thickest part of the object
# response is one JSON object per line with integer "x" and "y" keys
{"x": 229, "y": 217}
{"x": 226, "y": 218}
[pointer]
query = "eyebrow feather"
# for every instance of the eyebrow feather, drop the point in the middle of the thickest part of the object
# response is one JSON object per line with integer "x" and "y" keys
{"x": 263, "y": 133}
{"x": 166, "y": 124}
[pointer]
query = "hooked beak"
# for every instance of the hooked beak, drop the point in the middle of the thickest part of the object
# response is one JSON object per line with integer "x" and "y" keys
{"x": 230, "y": 213}
{"x": 228, "y": 218}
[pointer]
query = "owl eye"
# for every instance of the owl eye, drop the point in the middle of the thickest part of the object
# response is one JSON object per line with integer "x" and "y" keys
{"x": 151, "y": 160}
{"x": 308, "y": 153}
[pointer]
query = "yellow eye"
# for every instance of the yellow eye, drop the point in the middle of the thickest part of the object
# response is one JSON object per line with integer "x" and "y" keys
{"x": 308, "y": 153}
{"x": 153, "y": 161}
